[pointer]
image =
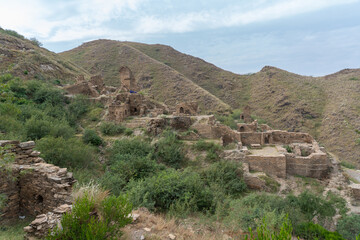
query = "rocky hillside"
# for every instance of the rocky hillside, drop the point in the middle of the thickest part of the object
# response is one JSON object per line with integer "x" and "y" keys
{"x": 327, "y": 107}
{"x": 25, "y": 59}
{"x": 157, "y": 80}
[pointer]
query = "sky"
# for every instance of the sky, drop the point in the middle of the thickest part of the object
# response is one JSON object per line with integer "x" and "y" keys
{"x": 308, "y": 37}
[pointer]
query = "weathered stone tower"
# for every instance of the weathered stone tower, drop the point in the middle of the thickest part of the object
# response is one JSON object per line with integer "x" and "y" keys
{"x": 127, "y": 79}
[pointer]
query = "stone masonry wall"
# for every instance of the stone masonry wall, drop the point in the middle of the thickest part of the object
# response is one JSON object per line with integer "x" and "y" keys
{"x": 272, "y": 165}
{"x": 30, "y": 185}
{"x": 316, "y": 165}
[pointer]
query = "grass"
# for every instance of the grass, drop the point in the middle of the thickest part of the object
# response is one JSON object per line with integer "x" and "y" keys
{"x": 14, "y": 231}
{"x": 347, "y": 165}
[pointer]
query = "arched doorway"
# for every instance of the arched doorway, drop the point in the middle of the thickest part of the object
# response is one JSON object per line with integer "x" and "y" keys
{"x": 181, "y": 110}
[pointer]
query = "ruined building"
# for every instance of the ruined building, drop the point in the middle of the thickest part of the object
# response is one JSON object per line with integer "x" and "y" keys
{"x": 121, "y": 102}
{"x": 187, "y": 108}
{"x": 30, "y": 186}
{"x": 246, "y": 115}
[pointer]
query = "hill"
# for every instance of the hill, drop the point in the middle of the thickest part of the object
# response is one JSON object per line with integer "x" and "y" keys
{"x": 327, "y": 107}
{"x": 23, "y": 58}
{"x": 157, "y": 80}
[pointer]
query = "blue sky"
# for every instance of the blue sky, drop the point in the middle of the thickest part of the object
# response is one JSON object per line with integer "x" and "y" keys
{"x": 309, "y": 37}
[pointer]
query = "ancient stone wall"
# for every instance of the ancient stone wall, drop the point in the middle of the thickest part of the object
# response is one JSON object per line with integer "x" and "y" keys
{"x": 316, "y": 165}
{"x": 284, "y": 137}
{"x": 30, "y": 185}
{"x": 188, "y": 108}
{"x": 248, "y": 138}
{"x": 272, "y": 165}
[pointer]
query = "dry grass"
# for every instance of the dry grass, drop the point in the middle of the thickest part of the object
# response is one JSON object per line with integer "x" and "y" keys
{"x": 160, "y": 228}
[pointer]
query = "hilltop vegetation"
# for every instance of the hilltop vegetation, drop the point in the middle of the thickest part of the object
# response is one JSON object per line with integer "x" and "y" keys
{"x": 26, "y": 59}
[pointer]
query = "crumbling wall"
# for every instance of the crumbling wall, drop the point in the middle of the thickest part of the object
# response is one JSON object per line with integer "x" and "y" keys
{"x": 284, "y": 137}
{"x": 30, "y": 185}
{"x": 271, "y": 165}
{"x": 246, "y": 115}
{"x": 248, "y": 138}
{"x": 316, "y": 165}
{"x": 188, "y": 108}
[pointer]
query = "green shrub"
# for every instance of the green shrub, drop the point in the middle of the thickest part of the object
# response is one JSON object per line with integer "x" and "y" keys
{"x": 91, "y": 137}
{"x": 35, "y": 42}
{"x": 132, "y": 147}
{"x": 62, "y": 152}
{"x": 170, "y": 187}
{"x": 37, "y": 128}
{"x": 111, "y": 129}
{"x": 211, "y": 148}
{"x": 349, "y": 226}
{"x": 288, "y": 149}
{"x": 309, "y": 231}
{"x": 12, "y": 33}
{"x": 89, "y": 221}
{"x": 128, "y": 131}
{"x": 77, "y": 108}
{"x": 94, "y": 114}
{"x": 124, "y": 168}
{"x": 227, "y": 176}
{"x": 264, "y": 233}
{"x": 169, "y": 150}
{"x": 249, "y": 211}
{"x": 347, "y": 165}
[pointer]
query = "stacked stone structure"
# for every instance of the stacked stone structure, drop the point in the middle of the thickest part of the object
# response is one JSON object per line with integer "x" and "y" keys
{"x": 30, "y": 185}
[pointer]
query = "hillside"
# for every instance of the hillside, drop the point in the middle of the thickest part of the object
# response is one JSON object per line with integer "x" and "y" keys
{"x": 156, "y": 79}
{"x": 327, "y": 107}
{"x": 23, "y": 58}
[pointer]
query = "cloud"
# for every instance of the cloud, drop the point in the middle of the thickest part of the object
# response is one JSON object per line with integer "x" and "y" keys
{"x": 234, "y": 15}
{"x": 68, "y": 20}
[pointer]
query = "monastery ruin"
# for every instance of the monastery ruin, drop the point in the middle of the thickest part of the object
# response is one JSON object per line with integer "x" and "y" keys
{"x": 275, "y": 152}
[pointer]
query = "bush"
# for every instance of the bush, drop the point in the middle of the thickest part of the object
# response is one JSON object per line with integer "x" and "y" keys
{"x": 349, "y": 226}
{"x": 91, "y": 137}
{"x": 264, "y": 233}
{"x": 37, "y": 128}
{"x": 111, "y": 129}
{"x": 249, "y": 211}
{"x": 226, "y": 176}
{"x": 128, "y": 131}
{"x": 211, "y": 148}
{"x": 169, "y": 150}
{"x": 94, "y": 114}
{"x": 35, "y": 42}
{"x": 128, "y": 167}
{"x": 171, "y": 187}
{"x": 94, "y": 217}
{"x": 309, "y": 231}
{"x": 130, "y": 147}
{"x": 62, "y": 152}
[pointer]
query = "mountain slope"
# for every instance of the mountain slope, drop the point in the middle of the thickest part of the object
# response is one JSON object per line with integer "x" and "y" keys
{"x": 327, "y": 107}
{"x": 23, "y": 58}
{"x": 158, "y": 80}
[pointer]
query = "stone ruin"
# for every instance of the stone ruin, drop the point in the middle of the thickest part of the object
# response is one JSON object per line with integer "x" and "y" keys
{"x": 33, "y": 187}
{"x": 121, "y": 102}
{"x": 186, "y": 108}
{"x": 246, "y": 115}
